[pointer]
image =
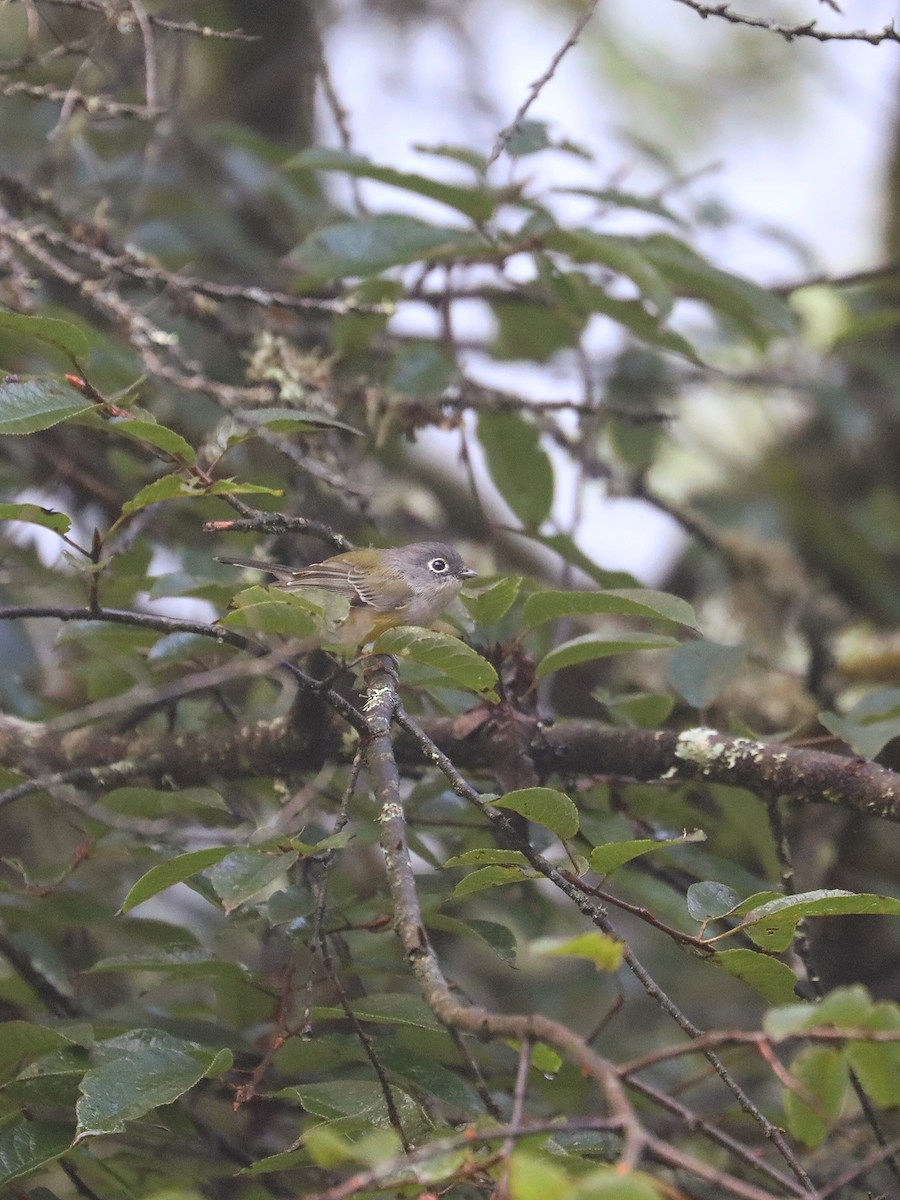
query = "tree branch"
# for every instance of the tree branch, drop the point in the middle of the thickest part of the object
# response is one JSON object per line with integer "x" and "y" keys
{"x": 380, "y": 708}
{"x": 567, "y": 748}
{"x": 806, "y": 29}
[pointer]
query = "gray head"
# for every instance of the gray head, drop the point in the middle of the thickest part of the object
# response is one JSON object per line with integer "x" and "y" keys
{"x": 435, "y": 562}
{"x": 435, "y": 573}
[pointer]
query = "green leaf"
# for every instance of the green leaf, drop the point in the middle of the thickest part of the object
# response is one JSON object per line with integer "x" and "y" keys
{"x": 174, "y": 870}
{"x": 849, "y": 1007}
{"x": 878, "y": 1063}
{"x": 424, "y": 370}
{"x": 490, "y": 877}
{"x": 534, "y": 1177}
{"x": 320, "y": 1146}
{"x": 26, "y": 1146}
{"x": 175, "y": 648}
{"x": 294, "y": 420}
{"x": 605, "y": 859}
{"x": 620, "y": 199}
{"x": 188, "y": 962}
{"x": 138, "y": 1072}
{"x": 701, "y": 670}
{"x": 375, "y": 243}
{"x": 233, "y": 487}
{"x": 327, "y": 1148}
{"x": 624, "y": 255}
{"x": 869, "y": 725}
{"x": 758, "y": 313}
{"x": 603, "y": 951}
{"x": 21, "y": 1041}
{"x": 783, "y": 1023}
{"x": 866, "y": 740}
{"x": 771, "y": 978}
{"x": 518, "y": 464}
{"x": 566, "y": 548}
{"x": 35, "y": 515}
{"x": 477, "y": 203}
{"x": 168, "y": 487}
{"x": 62, "y": 334}
{"x": 544, "y": 1058}
{"x": 400, "y": 1008}
{"x": 267, "y": 611}
{"x": 534, "y": 332}
{"x": 462, "y": 666}
{"x": 709, "y": 900}
{"x": 646, "y": 710}
{"x": 844, "y": 1006}
{"x": 243, "y": 874}
{"x": 490, "y": 604}
{"x": 877, "y": 705}
{"x": 634, "y": 316}
{"x": 591, "y": 646}
{"x": 499, "y": 938}
{"x": 153, "y": 434}
{"x": 426, "y": 1075}
{"x": 361, "y": 1098}
{"x": 174, "y": 487}
{"x": 608, "y": 1183}
{"x": 771, "y": 925}
{"x": 822, "y": 1074}
{"x": 29, "y": 405}
{"x": 464, "y": 154}
{"x": 626, "y": 602}
{"x": 153, "y": 803}
{"x": 544, "y": 805}
{"x": 528, "y": 137}
{"x": 487, "y": 856}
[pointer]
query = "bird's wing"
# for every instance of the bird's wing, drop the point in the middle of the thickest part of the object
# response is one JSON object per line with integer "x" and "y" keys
{"x": 368, "y": 588}
{"x": 331, "y": 577}
{"x": 358, "y": 586}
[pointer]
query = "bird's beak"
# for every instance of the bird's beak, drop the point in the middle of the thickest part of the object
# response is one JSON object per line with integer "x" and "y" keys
{"x": 467, "y": 573}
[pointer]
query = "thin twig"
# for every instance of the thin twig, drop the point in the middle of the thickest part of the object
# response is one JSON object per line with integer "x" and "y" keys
{"x": 534, "y": 91}
{"x": 277, "y": 523}
{"x": 597, "y": 914}
{"x": 145, "y": 696}
{"x": 91, "y": 103}
{"x": 806, "y": 29}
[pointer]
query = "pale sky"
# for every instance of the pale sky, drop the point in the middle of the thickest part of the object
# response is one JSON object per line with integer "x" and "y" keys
{"x": 804, "y": 152}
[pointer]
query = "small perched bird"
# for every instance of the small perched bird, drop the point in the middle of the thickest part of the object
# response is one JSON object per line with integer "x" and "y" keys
{"x": 403, "y": 585}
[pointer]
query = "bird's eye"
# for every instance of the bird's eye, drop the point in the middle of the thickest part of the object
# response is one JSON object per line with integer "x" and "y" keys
{"x": 439, "y": 566}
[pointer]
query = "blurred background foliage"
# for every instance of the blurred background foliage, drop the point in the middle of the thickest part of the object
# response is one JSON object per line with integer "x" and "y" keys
{"x": 514, "y": 354}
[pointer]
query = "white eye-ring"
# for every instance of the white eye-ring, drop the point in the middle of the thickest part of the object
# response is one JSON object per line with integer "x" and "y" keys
{"x": 440, "y": 566}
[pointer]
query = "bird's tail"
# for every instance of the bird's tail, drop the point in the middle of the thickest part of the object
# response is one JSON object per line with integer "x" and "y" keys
{"x": 260, "y": 564}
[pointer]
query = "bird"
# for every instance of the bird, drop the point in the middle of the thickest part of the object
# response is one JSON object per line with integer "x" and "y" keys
{"x": 400, "y": 585}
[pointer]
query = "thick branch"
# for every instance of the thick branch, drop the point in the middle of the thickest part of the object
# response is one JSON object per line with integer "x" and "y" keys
{"x": 567, "y": 748}
{"x": 382, "y": 704}
{"x": 589, "y": 748}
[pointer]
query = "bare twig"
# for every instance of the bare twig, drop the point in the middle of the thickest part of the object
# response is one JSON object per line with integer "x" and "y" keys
{"x": 145, "y": 696}
{"x": 534, "y": 91}
{"x": 275, "y": 523}
{"x": 806, "y": 29}
{"x": 93, "y": 104}
{"x": 753, "y": 1037}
